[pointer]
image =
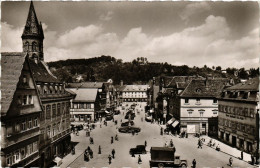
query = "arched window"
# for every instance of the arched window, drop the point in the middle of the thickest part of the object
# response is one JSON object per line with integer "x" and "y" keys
{"x": 26, "y": 46}
{"x": 34, "y": 46}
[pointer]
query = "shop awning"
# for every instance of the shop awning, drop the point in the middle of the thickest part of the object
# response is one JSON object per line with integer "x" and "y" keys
{"x": 170, "y": 121}
{"x": 107, "y": 112}
{"x": 175, "y": 123}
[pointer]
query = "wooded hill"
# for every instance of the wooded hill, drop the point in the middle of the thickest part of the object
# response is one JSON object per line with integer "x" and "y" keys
{"x": 107, "y": 67}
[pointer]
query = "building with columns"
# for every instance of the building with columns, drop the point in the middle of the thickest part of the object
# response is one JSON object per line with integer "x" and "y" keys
{"x": 238, "y": 120}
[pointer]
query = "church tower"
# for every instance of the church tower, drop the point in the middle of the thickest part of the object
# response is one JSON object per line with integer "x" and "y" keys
{"x": 33, "y": 36}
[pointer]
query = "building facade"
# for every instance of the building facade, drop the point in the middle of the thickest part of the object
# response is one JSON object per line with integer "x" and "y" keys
{"x": 238, "y": 120}
{"x": 85, "y": 105}
{"x": 20, "y": 112}
{"x": 54, "y": 140}
{"x": 198, "y": 102}
{"x": 135, "y": 93}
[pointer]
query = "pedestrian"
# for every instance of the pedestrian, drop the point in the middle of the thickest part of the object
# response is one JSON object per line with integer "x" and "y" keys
{"x": 194, "y": 163}
{"x": 145, "y": 143}
{"x": 88, "y": 149}
{"x": 116, "y": 137}
{"x": 171, "y": 143}
{"x": 73, "y": 150}
{"x": 139, "y": 159}
{"x": 86, "y": 155}
{"x": 109, "y": 159}
{"x": 99, "y": 150}
{"x": 113, "y": 153}
{"x": 133, "y": 132}
{"x": 242, "y": 154}
{"x": 230, "y": 161}
{"x": 112, "y": 140}
{"x": 252, "y": 159}
{"x": 91, "y": 153}
{"x": 165, "y": 145}
{"x": 218, "y": 148}
{"x": 161, "y": 131}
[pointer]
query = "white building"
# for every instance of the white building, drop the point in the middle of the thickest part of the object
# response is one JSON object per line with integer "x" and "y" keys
{"x": 198, "y": 102}
{"x": 134, "y": 93}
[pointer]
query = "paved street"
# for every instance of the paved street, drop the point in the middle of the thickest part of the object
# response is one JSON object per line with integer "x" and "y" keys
{"x": 185, "y": 147}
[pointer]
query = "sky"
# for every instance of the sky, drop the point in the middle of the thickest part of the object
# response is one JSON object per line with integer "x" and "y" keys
{"x": 189, "y": 33}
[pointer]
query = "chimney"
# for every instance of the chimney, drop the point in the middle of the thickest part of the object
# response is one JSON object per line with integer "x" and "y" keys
{"x": 121, "y": 83}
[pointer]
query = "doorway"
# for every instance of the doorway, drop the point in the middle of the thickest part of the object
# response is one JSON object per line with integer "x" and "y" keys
{"x": 234, "y": 141}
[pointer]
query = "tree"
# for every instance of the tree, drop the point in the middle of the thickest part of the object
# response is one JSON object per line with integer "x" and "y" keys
{"x": 218, "y": 68}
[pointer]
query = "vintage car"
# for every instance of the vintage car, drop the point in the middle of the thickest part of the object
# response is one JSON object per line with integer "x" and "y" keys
{"x": 127, "y": 123}
{"x": 109, "y": 117}
{"x": 139, "y": 149}
{"x": 116, "y": 112}
{"x": 132, "y": 115}
{"x": 129, "y": 129}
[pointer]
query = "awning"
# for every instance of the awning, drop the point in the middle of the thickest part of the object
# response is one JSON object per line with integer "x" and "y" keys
{"x": 176, "y": 122}
{"x": 151, "y": 111}
{"x": 107, "y": 112}
{"x": 170, "y": 121}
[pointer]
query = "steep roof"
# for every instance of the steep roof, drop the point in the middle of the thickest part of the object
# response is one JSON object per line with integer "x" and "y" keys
{"x": 85, "y": 94}
{"x": 11, "y": 69}
{"x": 135, "y": 88}
{"x": 41, "y": 73}
{"x": 204, "y": 88}
{"x": 250, "y": 85}
{"x": 171, "y": 81}
{"x": 32, "y": 26}
{"x": 85, "y": 85}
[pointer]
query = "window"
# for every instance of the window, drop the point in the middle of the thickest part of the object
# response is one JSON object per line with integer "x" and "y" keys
{"x": 23, "y": 125}
{"x": 22, "y": 153}
{"x": 56, "y": 89}
{"x": 246, "y": 112}
{"x": 88, "y": 106}
{"x": 58, "y": 127}
{"x": 81, "y": 105}
{"x": 35, "y": 146}
{"x": 29, "y": 149}
{"x": 215, "y": 101}
{"x": 243, "y": 127}
{"x": 190, "y": 112}
{"x": 9, "y": 160}
{"x": 17, "y": 127}
{"x": 92, "y": 105}
{"x": 24, "y": 79}
{"x": 215, "y": 111}
{"x": 34, "y": 46}
{"x": 26, "y": 46}
{"x": 54, "y": 110}
{"x": 186, "y": 100}
{"x": 30, "y": 123}
{"x": 197, "y": 101}
{"x": 35, "y": 122}
{"x": 24, "y": 100}
{"x": 201, "y": 112}
{"x": 48, "y": 132}
{"x": 53, "y": 130}
{"x": 75, "y": 105}
{"x": 9, "y": 130}
{"x": 17, "y": 156}
{"x": 48, "y": 111}
{"x": 252, "y": 113}
{"x": 59, "y": 110}
{"x": 43, "y": 113}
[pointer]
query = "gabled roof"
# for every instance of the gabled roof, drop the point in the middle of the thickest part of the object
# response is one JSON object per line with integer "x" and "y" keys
{"x": 204, "y": 88}
{"x": 250, "y": 85}
{"x": 85, "y": 94}
{"x": 171, "y": 81}
{"x": 11, "y": 69}
{"x": 32, "y": 26}
{"x": 85, "y": 85}
{"x": 41, "y": 73}
{"x": 135, "y": 88}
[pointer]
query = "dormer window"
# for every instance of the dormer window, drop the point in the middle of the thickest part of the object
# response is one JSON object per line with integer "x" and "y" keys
{"x": 198, "y": 90}
{"x": 26, "y": 46}
{"x": 246, "y": 95}
{"x": 24, "y": 79}
{"x": 34, "y": 46}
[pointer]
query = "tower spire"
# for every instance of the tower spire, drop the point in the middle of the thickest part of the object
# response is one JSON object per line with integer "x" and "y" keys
{"x": 33, "y": 36}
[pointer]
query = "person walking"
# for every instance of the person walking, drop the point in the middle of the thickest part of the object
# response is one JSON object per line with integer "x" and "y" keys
{"x": 171, "y": 143}
{"x": 252, "y": 159}
{"x": 161, "y": 131}
{"x": 242, "y": 154}
{"x": 139, "y": 159}
{"x": 91, "y": 153}
{"x": 112, "y": 140}
{"x": 230, "y": 161}
{"x": 109, "y": 159}
{"x": 145, "y": 143}
{"x": 194, "y": 163}
{"x": 99, "y": 149}
{"x": 113, "y": 153}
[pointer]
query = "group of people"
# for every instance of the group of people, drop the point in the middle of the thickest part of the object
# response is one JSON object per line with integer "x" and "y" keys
{"x": 110, "y": 157}
{"x": 88, "y": 154}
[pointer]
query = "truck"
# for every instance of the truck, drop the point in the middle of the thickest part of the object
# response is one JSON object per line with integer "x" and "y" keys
{"x": 165, "y": 157}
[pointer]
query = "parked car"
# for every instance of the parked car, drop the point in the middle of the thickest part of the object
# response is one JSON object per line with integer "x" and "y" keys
{"x": 139, "y": 149}
{"x": 109, "y": 117}
{"x": 127, "y": 123}
{"x": 117, "y": 112}
{"x": 129, "y": 129}
{"x": 148, "y": 118}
